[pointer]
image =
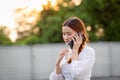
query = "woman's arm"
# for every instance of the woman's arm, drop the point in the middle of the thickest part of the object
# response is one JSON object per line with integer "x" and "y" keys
{"x": 84, "y": 62}
{"x": 56, "y": 75}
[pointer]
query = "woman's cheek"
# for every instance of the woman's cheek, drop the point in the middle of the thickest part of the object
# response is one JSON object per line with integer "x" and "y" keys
{"x": 72, "y": 36}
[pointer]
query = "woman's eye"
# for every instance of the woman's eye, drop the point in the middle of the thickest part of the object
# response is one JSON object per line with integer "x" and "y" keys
{"x": 69, "y": 34}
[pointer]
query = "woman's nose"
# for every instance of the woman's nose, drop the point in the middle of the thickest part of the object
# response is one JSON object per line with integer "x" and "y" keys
{"x": 66, "y": 37}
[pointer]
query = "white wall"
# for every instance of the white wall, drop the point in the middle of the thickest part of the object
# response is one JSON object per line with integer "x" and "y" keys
{"x": 15, "y": 63}
{"x": 37, "y": 62}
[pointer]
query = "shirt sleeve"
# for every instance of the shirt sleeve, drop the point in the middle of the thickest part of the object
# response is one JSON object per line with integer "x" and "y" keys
{"x": 84, "y": 63}
{"x": 55, "y": 76}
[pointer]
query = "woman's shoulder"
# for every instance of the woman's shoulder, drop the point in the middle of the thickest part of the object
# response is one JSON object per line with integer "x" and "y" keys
{"x": 89, "y": 50}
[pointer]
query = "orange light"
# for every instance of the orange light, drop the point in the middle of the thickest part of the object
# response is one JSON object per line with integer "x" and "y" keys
{"x": 8, "y": 15}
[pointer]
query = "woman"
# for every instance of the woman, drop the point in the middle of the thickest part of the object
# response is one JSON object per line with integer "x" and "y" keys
{"x": 77, "y": 62}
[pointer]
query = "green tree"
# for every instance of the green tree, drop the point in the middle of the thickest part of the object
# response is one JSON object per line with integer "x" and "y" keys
{"x": 4, "y": 40}
{"x": 102, "y": 16}
{"x": 50, "y": 25}
{"x": 104, "y": 12}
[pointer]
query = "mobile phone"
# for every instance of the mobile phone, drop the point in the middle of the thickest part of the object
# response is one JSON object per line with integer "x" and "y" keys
{"x": 71, "y": 43}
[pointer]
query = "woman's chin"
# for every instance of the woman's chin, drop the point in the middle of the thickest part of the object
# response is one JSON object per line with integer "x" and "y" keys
{"x": 66, "y": 43}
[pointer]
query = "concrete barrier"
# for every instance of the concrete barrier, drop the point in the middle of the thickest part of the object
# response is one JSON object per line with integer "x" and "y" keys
{"x": 38, "y": 61}
{"x": 15, "y": 63}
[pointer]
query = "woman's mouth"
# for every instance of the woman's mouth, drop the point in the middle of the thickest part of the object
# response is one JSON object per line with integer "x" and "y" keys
{"x": 66, "y": 42}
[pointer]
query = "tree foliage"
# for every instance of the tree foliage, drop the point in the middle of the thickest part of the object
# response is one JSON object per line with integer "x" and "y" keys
{"x": 105, "y": 12}
{"x": 4, "y": 40}
{"x": 101, "y": 16}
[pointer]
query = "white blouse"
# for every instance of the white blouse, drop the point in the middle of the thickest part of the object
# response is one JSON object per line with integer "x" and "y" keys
{"x": 80, "y": 69}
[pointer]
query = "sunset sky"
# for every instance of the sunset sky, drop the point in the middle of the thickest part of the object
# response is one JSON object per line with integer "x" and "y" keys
{"x": 7, "y": 8}
{"x": 7, "y": 12}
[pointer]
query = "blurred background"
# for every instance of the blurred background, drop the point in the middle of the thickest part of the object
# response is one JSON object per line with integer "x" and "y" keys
{"x": 31, "y": 36}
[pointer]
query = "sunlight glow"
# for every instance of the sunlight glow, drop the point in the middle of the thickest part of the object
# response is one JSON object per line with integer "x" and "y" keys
{"x": 8, "y": 14}
{"x": 88, "y": 28}
{"x": 13, "y": 35}
{"x": 21, "y": 15}
{"x": 77, "y": 2}
{"x": 53, "y": 2}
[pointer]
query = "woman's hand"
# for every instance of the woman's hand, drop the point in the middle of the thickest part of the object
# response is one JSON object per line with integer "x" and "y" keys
{"x": 77, "y": 42}
{"x": 62, "y": 53}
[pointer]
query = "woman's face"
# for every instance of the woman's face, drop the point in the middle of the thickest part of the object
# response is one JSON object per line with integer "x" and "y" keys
{"x": 68, "y": 33}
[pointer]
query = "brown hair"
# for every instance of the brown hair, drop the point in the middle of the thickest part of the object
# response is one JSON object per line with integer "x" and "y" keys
{"x": 77, "y": 24}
